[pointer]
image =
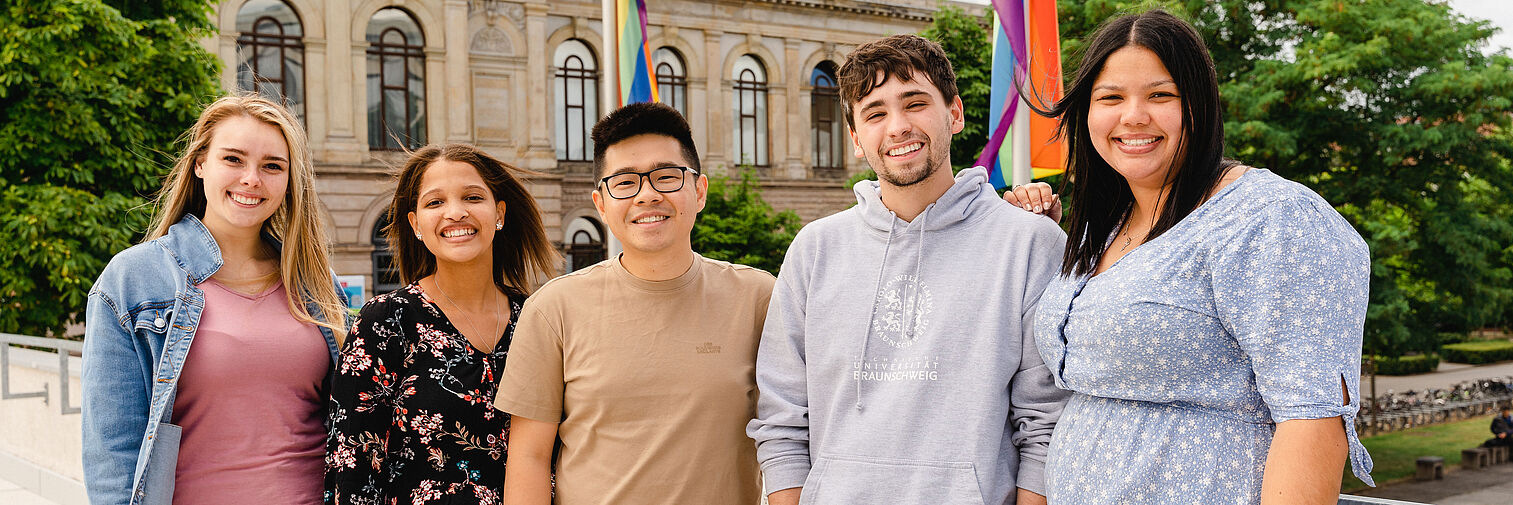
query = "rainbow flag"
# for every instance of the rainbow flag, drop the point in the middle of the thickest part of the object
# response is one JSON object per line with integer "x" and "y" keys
{"x": 637, "y": 83}
{"x": 1026, "y": 49}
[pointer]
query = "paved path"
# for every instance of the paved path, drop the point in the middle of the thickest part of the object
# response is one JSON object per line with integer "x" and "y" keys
{"x": 12, "y": 494}
{"x": 1487, "y": 486}
{"x": 1448, "y": 374}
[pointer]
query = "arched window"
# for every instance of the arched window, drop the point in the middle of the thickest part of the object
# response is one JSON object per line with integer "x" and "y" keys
{"x": 385, "y": 274}
{"x": 750, "y": 104}
{"x": 672, "y": 79}
{"x": 577, "y": 93}
{"x": 585, "y": 245}
{"x": 270, "y": 58}
{"x": 396, "y": 81}
{"x": 826, "y": 120}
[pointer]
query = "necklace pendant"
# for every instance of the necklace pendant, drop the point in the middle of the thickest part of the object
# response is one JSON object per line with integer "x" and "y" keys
{"x": 1127, "y": 240}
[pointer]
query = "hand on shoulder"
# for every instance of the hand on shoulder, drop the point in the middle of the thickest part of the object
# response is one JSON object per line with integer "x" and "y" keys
{"x": 1036, "y": 197}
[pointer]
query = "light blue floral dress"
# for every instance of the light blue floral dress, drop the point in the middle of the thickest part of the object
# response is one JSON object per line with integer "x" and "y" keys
{"x": 1185, "y": 353}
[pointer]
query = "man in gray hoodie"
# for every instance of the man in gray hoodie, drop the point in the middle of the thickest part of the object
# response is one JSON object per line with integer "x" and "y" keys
{"x": 897, "y": 363}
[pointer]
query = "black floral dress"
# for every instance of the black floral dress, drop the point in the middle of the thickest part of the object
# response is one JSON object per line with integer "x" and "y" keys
{"x": 412, "y": 415}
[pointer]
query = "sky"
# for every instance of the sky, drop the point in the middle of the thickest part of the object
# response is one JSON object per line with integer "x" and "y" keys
{"x": 1499, "y": 12}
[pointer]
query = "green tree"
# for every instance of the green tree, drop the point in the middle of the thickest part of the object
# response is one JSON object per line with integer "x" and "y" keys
{"x": 738, "y": 226}
{"x": 93, "y": 95}
{"x": 1390, "y": 110}
{"x": 964, "y": 37}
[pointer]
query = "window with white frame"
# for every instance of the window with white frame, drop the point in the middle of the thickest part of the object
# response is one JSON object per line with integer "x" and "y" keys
{"x": 750, "y": 112}
{"x": 396, "y": 81}
{"x": 672, "y": 79}
{"x": 577, "y": 92}
{"x": 825, "y": 118}
{"x": 270, "y": 56}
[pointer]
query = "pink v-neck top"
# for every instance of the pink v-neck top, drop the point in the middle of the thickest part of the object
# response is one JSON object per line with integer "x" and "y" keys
{"x": 250, "y": 402}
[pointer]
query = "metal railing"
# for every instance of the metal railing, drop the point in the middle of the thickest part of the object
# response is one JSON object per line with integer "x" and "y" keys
{"x": 1394, "y": 411}
{"x": 62, "y": 347}
{"x": 1346, "y": 499}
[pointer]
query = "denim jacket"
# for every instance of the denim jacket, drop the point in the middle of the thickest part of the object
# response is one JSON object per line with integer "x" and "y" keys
{"x": 139, "y": 322}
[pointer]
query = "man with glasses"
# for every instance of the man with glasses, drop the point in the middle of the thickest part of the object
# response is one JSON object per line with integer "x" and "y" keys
{"x": 642, "y": 365}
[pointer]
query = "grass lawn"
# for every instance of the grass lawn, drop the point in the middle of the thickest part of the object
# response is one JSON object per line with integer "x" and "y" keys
{"x": 1396, "y": 452}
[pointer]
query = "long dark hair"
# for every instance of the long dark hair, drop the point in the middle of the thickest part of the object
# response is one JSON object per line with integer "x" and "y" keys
{"x": 1101, "y": 197}
{"x": 522, "y": 253}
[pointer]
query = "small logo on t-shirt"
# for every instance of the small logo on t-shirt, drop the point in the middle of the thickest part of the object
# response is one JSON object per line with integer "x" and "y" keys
{"x": 707, "y": 348}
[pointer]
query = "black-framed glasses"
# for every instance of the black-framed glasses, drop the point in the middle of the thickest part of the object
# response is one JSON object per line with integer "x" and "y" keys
{"x": 628, "y": 184}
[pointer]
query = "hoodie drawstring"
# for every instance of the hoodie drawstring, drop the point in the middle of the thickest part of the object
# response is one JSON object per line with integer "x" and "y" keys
{"x": 919, "y": 259}
{"x": 877, "y": 291}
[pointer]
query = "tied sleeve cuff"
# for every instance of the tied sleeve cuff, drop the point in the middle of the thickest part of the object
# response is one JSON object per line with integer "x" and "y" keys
{"x": 785, "y": 473}
{"x": 1031, "y": 475}
{"x": 1360, "y": 460}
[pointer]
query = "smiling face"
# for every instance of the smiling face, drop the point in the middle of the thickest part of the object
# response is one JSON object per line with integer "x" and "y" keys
{"x": 904, "y": 128}
{"x": 1135, "y": 117}
{"x": 455, "y": 213}
{"x": 245, "y": 171}
{"x": 650, "y": 222}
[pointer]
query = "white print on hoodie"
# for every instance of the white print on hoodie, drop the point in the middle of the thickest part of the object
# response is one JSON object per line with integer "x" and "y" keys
{"x": 897, "y": 362}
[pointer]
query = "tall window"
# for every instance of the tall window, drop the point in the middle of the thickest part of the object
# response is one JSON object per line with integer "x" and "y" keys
{"x": 270, "y": 59}
{"x": 577, "y": 93}
{"x": 825, "y": 119}
{"x": 672, "y": 80}
{"x": 396, "y": 81}
{"x": 750, "y": 115}
{"x": 585, "y": 248}
{"x": 385, "y": 273}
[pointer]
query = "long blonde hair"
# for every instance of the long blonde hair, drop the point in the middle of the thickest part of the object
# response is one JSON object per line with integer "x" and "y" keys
{"x": 298, "y": 223}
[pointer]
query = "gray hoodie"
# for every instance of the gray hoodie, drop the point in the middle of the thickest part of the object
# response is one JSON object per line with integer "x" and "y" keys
{"x": 897, "y": 363}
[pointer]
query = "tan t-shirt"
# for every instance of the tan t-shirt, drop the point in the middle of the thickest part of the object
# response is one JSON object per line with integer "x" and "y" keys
{"x": 653, "y": 382}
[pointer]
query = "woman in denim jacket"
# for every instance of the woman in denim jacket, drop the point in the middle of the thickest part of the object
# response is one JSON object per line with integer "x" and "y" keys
{"x": 236, "y": 262}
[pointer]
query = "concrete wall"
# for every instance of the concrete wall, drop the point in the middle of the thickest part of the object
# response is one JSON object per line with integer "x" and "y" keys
{"x": 40, "y": 447}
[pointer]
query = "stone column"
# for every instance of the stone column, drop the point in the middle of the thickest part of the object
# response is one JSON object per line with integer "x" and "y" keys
{"x": 797, "y": 121}
{"x": 717, "y": 108}
{"x": 317, "y": 121}
{"x": 345, "y": 96}
{"x": 777, "y": 112}
{"x": 339, "y": 45}
{"x": 458, "y": 89}
{"x": 539, "y": 155}
{"x": 437, "y": 111}
{"x": 225, "y": 49}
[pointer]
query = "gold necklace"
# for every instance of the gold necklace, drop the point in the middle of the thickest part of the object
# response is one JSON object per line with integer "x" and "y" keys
{"x": 443, "y": 291}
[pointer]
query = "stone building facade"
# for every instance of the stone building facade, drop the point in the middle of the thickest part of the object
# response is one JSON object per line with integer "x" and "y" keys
{"x": 521, "y": 79}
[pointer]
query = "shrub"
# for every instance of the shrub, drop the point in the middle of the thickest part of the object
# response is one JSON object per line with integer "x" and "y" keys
{"x": 1476, "y": 353}
{"x": 1407, "y": 365}
{"x": 1446, "y": 337}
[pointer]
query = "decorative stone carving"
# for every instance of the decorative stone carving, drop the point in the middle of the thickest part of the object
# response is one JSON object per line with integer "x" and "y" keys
{"x": 492, "y": 40}
{"x": 493, "y": 9}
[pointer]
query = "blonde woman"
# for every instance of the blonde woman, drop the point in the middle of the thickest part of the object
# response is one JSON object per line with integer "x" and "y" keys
{"x": 208, "y": 347}
{"x": 412, "y": 418}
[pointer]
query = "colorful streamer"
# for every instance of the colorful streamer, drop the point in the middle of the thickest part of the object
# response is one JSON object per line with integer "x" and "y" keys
{"x": 1027, "y": 51}
{"x": 637, "y": 82}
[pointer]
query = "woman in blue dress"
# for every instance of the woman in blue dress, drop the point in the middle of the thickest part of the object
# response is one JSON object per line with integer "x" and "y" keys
{"x": 1209, "y": 319}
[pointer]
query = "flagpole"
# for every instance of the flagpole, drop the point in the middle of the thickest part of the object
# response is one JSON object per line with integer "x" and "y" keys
{"x": 1022, "y": 172}
{"x": 609, "y": 83}
{"x": 609, "y": 87}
